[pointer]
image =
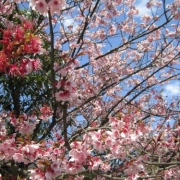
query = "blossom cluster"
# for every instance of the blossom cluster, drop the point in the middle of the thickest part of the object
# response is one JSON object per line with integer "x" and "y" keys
{"x": 18, "y": 43}
{"x": 101, "y": 120}
{"x": 122, "y": 140}
{"x": 65, "y": 85}
{"x": 43, "y": 6}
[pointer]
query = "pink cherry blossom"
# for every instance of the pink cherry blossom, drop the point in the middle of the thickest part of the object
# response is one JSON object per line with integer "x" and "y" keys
{"x": 56, "y": 6}
{"x": 40, "y": 6}
{"x": 85, "y": 91}
{"x": 64, "y": 95}
{"x": 18, "y": 157}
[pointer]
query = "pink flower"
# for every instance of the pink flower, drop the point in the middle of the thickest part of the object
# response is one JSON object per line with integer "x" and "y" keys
{"x": 112, "y": 30}
{"x": 63, "y": 72}
{"x": 55, "y": 166}
{"x": 41, "y": 7}
{"x": 76, "y": 62}
{"x": 77, "y": 156}
{"x": 36, "y": 174}
{"x": 70, "y": 84}
{"x": 73, "y": 168}
{"x": 64, "y": 95}
{"x": 19, "y": 33}
{"x": 26, "y": 127}
{"x": 67, "y": 85}
{"x": 18, "y": 157}
{"x": 46, "y": 112}
{"x": 56, "y": 6}
{"x": 132, "y": 11}
{"x": 134, "y": 169}
{"x": 61, "y": 84}
{"x": 50, "y": 174}
{"x": 29, "y": 67}
{"x": 95, "y": 163}
{"x": 14, "y": 70}
{"x": 28, "y": 25}
{"x": 146, "y": 18}
{"x": 105, "y": 167}
{"x": 56, "y": 66}
{"x": 34, "y": 45}
{"x": 36, "y": 63}
{"x": 76, "y": 145}
{"x": 32, "y": 148}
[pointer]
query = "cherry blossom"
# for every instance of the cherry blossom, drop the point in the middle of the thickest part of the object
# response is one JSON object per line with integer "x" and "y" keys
{"x": 40, "y": 6}
{"x": 82, "y": 90}
{"x": 56, "y": 5}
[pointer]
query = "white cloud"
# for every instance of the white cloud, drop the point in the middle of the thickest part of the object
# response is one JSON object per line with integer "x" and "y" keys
{"x": 69, "y": 22}
{"x": 172, "y": 89}
{"x": 141, "y": 6}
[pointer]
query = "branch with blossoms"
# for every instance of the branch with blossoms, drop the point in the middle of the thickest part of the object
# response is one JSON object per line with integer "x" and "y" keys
{"x": 82, "y": 90}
